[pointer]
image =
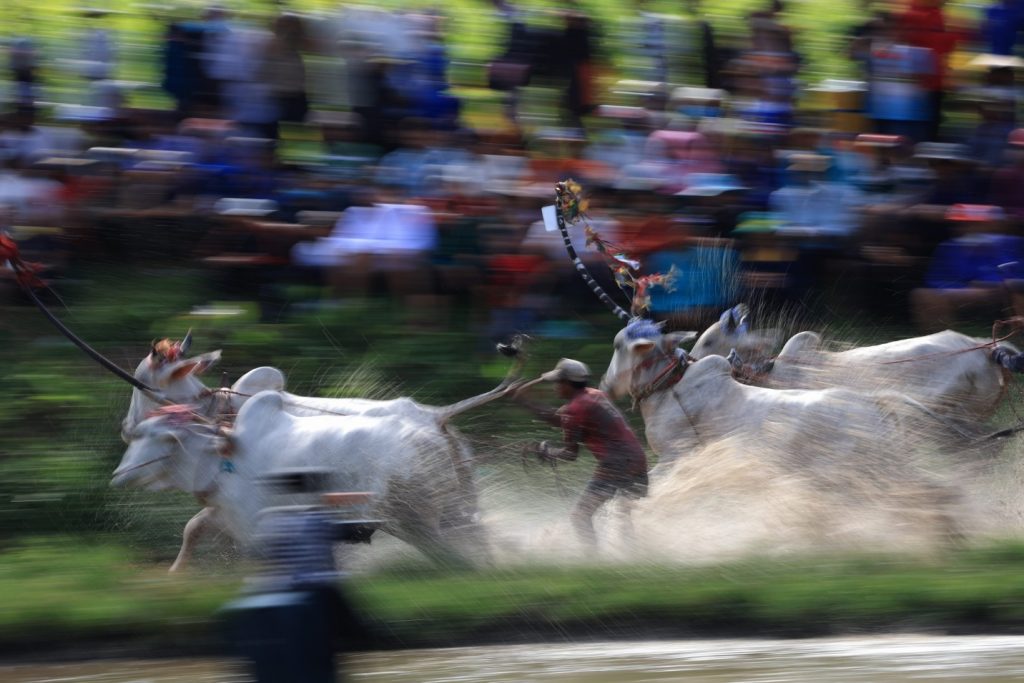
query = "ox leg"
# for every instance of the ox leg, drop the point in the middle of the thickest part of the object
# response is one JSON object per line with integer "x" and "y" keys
{"x": 427, "y": 537}
{"x": 195, "y": 528}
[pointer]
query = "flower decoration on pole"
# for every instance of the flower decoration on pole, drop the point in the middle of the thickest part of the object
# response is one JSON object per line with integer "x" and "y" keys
{"x": 625, "y": 268}
{"x": 25, "y": 273}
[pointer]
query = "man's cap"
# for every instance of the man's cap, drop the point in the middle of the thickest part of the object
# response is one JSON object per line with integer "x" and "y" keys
{"x": 568, "y": 370}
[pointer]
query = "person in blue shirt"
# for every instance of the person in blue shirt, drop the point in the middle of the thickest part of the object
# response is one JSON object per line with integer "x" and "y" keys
{"x": 1000, "y": 25}
{"x": 965, "y": 274}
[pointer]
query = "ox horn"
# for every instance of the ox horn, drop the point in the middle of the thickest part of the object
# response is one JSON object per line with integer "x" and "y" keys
{"x": 562, "y": 194}
{"x": 186, "y": 343}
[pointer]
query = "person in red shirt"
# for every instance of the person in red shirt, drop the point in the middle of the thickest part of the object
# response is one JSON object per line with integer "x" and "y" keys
{"x": 591, "y": 419}
{"x": 923, "y": 24}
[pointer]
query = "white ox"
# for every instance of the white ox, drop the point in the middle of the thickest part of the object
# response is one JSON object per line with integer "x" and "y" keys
{"x": 949, "y": 372}
{"x": 176, "y": 379}
{"x": 685, "y": 406}
{"x": 408, "y": 467}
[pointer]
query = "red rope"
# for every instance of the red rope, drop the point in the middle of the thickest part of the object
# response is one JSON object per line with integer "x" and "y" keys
{"x": 1011, "y": 321}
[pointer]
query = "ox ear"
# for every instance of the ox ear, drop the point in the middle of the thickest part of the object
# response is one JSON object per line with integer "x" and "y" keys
{"x": 641, "y": 347}
{"x": 194, "y": 366}
{"x": 673, "y": 339}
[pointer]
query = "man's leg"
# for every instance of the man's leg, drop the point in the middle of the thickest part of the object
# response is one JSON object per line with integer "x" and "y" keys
{"x": 596, "y": 494}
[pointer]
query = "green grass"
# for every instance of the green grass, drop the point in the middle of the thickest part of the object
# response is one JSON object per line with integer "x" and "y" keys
{"x": 64, "y": 590}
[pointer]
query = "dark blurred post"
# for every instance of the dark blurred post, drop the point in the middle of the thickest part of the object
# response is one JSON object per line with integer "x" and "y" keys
{"x": 296, "y": 617}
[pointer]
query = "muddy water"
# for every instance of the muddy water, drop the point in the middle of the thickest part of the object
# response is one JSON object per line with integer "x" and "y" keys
{"x": 885, "y": 659}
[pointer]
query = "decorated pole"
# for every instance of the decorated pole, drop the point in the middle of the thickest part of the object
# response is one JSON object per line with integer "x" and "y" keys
{"x": 567, "y": 202}
{"x": 25, "y": 276}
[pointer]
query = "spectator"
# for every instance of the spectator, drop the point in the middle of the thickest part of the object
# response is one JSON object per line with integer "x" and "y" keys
{"x": 923, "y": 25}
{"x": 283, "y": 69}
{"x": 97, "y": 53}
{"x": 812, "y": 206}
{"x": 1007, "y": 181}
{"x": 964, "y": 273}
{"x": 510, "y": 70}
{"x": 428, "y": 85}
{"x": 384, "y": 237}
{"x": 578, "y": 54}
{"x": 899, "y": 99}
{"x": 996, "y": 103}
{"x": 706, "y": 271}
{"x": 999, "y": 26}
{"x": 23, "y": 62}
{"x": 705, "y": 44}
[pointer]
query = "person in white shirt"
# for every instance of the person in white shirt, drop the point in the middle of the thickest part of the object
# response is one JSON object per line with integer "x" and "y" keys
{"x": 97, "y": 53}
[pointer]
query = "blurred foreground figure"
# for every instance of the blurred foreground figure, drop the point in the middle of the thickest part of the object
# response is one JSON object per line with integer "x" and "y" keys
{"x": 297, "y": 616}
{"x": 591, "y": 418}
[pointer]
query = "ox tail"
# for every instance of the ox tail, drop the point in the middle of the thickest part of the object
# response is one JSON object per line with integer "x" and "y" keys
{"x": 446, "y": 413}
{"x": 562, "y": 195}
{"x": 1007, "y": 357}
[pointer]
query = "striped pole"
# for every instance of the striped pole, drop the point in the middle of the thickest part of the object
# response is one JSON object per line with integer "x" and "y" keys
{"x": 561, "y": 196}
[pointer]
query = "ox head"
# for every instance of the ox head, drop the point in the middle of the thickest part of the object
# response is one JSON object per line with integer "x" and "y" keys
{"x": 732, "y": 331}
{"x": 170, "y": 449}
{"x": 167, "y": 370}
{"x": 634, "y": 345}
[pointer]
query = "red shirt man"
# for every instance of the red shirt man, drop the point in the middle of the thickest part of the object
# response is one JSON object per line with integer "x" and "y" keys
{"x": 590, "y": 418}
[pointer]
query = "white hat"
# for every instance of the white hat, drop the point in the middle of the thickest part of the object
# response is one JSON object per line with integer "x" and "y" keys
{"x": 568, "y": 370}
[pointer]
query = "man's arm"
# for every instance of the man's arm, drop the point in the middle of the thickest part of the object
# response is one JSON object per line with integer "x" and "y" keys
{"x": 542, "y": 412}
{"x": 568, "y": 451}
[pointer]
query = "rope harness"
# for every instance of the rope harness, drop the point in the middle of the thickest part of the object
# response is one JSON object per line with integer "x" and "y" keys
{"x": 668, "y": 377}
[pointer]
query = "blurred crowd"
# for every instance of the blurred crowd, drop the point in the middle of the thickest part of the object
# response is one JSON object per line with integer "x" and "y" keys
{"x": 335, "y": 152}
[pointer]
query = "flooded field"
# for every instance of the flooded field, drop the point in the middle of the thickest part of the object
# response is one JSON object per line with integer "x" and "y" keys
{"x": 880, "y": 659}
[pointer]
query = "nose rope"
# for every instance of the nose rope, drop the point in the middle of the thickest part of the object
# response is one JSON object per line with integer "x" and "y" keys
{"x": 135, "y": 467}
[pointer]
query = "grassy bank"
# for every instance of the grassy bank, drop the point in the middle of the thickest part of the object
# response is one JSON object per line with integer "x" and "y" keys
{"x": 95, "y": 598}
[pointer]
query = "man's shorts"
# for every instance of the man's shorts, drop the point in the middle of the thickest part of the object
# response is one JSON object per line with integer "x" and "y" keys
{"x": 608, "y": 483}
